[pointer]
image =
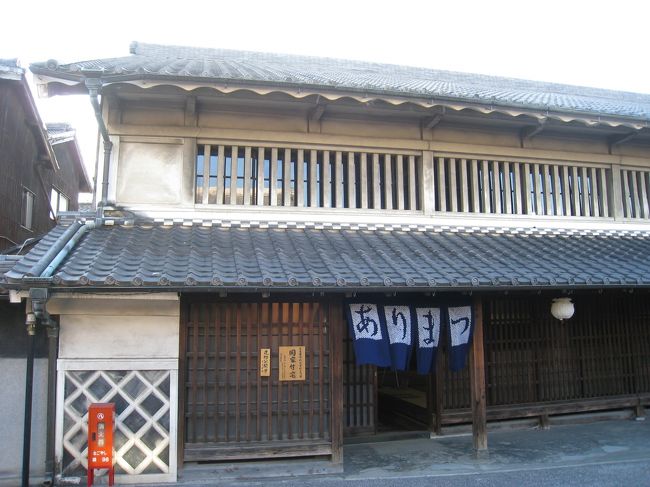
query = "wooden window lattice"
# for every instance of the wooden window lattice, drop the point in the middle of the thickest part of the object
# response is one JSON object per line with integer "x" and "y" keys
{"x": 315, "y": 178}
{"x": 526, "y": 188}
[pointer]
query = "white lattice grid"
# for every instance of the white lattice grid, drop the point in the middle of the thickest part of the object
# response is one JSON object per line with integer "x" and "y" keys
{"x": 142, "y": 426}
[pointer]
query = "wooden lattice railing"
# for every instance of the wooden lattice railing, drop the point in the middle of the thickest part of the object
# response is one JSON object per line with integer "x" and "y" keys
{"x": 304, "y": 177}
{"x": 635, "y": 190}
{"x": 503, "y": 187}
{"x": 346, "y": 178}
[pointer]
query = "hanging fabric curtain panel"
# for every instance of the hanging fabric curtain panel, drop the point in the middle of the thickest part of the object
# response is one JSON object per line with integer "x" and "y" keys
{"x": 385, "y": 334}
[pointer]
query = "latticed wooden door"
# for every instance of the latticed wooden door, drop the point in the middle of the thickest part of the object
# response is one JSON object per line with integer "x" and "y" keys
{"x": 231, "y": 410}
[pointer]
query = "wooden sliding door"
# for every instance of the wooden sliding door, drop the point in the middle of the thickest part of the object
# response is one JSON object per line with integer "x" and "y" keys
{"x": 234, "y": 404}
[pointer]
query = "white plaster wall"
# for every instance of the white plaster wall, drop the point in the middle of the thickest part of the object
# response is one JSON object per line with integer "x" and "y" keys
{"x": 118, "y": 327}
{"x": 12, "y": 402}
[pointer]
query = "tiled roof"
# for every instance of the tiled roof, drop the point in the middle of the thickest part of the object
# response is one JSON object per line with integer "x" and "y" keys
{"x": 152, "y": 61}
{"x": 7, "y": 262}
{"x": 162, "y": 256}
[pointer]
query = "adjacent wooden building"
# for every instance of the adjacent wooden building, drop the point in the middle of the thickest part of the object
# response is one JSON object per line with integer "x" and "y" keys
{"x": 247, "y": 197}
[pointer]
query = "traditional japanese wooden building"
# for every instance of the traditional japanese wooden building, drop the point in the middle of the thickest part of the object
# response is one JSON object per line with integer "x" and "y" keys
{"x": 248, "y": 197}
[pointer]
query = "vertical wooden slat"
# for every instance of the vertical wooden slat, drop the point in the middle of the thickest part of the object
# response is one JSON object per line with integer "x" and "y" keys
{"x": 313, "y": 325}
{"x": 585, "y": 191}
{"x": 336, "y": 328}
{"x": 486, "y": 196}
{"x": 627, "y": 205}
{"x": 338, "y": 181}
{"x": 634, "y": 192}
{"x": 442, "y": 184}
{"x": 195, "y": 374}
{"x": 539, "y": 190}
{"x": 566, "y": 191}
{"x": 519, "y": 200}
{"x": 322, "y": 314}
{"x": 507, "y": 190}
{"x": 453, "y": 186}
{"x": 248, "y": 175}
{"x": 350, "y": 181}
{"x": 290, "y": 319}
{"x": 576, "y": 191}
{"x": 234, "y": 171}
{"x": 604, "y": 197}
{"x": 412, "y": 182}
{"x": 286, "y": 178}
{"x": 258, "y": 376}
{"x": 496, "y": 185}
{"x": 546, "y": 188}
{"x": 301, "y": 385}
{"x": 399, "y": 181}
{"x": 464, "y": 187}
{"x": 221, "y": 174}
{"x": 556, "y": 190}
{"x": 376, "y": 185}
{"x": 388, "y": 182}
{"x": 299, "y": 186}
{"x": 260, "y": 177}
{"x": 205, "y": 316}
{"x": 363, "y": 179}
{"x": 273, "y": 177}
{"x": 643, "y": 194}
{"x": 313, "y": 179}
{"x": 476, "y": 202}
{"x": 226, "y": 386}
{"x": 427, "y": 183}
{"x": 326, "y": 181}
{"x": 206, "y": 173}
{"x": 527, "y": 197}
{"x": 238, "y": 317}
{"x": 595, "y": 192}
{"x": 271, "y": 328}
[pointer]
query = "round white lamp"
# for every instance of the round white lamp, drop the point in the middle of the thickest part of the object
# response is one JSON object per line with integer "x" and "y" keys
{"x": 562, "y": 308}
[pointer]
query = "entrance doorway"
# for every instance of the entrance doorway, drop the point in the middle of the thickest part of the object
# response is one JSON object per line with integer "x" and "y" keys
{"x": 381, "y": 401}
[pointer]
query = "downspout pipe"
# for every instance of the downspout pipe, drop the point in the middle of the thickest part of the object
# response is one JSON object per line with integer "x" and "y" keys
{"x": 94, "y": 86}
{"x": 30, "y": 323}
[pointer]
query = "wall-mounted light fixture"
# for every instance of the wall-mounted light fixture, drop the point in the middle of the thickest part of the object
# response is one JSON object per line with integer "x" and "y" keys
{"x": 562, "y": 308}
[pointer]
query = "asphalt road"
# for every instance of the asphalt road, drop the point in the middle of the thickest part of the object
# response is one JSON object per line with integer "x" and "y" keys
{"x": 628, "y": 474}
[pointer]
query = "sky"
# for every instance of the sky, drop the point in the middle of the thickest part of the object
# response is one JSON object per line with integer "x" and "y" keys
{"x": 591, "y": 43}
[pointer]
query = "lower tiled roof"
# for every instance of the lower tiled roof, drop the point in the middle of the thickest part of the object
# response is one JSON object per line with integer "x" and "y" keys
{"x": 221, "y": 256}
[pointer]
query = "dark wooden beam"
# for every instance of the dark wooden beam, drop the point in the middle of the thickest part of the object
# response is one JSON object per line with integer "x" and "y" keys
{"x": 337, "y": 334}
{"x": 477, "y": 380}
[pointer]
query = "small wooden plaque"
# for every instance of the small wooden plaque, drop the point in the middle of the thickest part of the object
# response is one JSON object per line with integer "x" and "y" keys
{"x": 265, "y": 362}
{"x": 292, "y": 363}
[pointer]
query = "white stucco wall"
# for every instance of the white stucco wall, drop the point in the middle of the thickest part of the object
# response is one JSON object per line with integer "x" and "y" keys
{"x": 118, "y": 332}
{"x": 12, "y": 400}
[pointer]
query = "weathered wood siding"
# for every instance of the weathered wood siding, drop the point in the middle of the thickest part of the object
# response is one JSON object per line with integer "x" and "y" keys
{"x": 537, "y": 365}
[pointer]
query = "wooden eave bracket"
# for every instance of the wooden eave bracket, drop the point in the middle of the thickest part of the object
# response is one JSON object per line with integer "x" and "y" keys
{"x": 615, "y": 140}
{"x": 429, "y": 123}
{"x": 316, "y": 112}
{"x": 531, "y": 131}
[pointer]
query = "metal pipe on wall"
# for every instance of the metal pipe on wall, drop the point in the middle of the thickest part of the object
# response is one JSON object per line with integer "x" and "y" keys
{"x": 30, "y": 322}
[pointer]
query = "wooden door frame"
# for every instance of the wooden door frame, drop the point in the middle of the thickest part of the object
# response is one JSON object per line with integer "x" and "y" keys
{"x": 336, "y": 336}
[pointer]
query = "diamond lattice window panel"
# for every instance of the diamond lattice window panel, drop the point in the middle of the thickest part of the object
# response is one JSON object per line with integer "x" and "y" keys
{"x": 142, "y": 425}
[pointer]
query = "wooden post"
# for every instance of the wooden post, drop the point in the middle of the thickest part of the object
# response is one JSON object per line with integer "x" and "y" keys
{"x": 437, "y": 383}
{"x": 337, "y": 329}
{"x": 477, "y": 380}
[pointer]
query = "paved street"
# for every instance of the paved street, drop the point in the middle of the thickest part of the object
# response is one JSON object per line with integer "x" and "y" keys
{"x": 604, "y": 453}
